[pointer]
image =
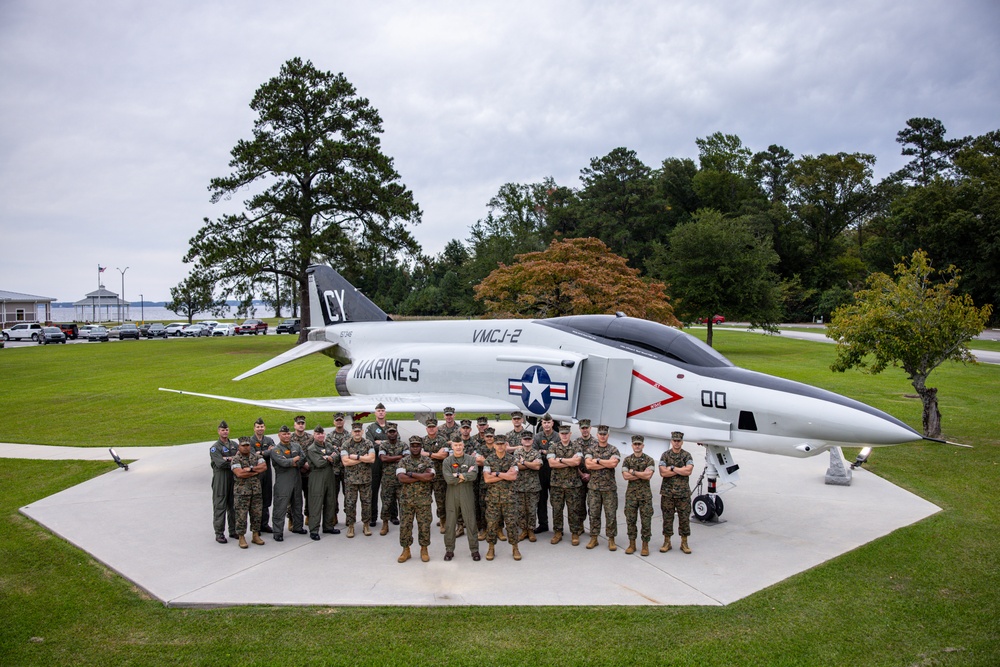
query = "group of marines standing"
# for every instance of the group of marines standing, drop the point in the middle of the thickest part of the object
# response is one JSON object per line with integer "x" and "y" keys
{"x": 487, "y": 486}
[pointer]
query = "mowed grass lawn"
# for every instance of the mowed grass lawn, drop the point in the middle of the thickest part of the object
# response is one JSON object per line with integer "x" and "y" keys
{"x": 924, "y": 595}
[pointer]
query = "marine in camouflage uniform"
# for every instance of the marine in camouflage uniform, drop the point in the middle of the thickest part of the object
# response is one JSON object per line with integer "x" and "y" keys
{"x": 323, "y": 455}
{"x": 247, "y": 467}
{"x": 303, "y": 439}
{"x": 437, "y": 447}
{"x": 637, "y": 468}
{"x": 221, "y": 455}
{"x": 415, "y": 473}
{"x": 564, "y": 459}
{"x": 602, "y": 492}
{"x": 262, "y": 445}
{"x": 450, "y": 427}
{"x": 338, "y": 435}
{"x": 460, "y": 474}
{"x": 389, "y": 453}
{"x": 527, "y": 485}
{"x": 500, "y": 471}
{"x": 583, "y": 442}
{"x": 287, "y": 457}
{"x": 544, "y": 440}
{"x": 357, "y": 453}
{"x": 514, "y": 435}
{"x": 676, "y": 466}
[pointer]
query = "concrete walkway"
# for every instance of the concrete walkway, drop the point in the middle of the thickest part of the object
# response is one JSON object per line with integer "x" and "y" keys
{"x": 153, "y": 525}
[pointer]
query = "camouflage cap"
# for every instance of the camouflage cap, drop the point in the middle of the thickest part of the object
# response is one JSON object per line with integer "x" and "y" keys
{"x": 517, "y": 414}
{"x": 466, "y": 422}
{"x": 584, "y": 423}
{"x": 284, "y": 429}
{"x": 416, "y": 440}
{"x": 500, "y": 438}
{"x": 431, "y": 422}
{"x": 482, "y": 421}
{"x": 223, "y": 424}
{"x": 357, "y": 426}
{"x": 677, "y": 435}
{"x": 380, "y": 406}
{"x": 319, "y": 429}
{"x": 527, "y": 436}
{"x": 391, "y": 426}
{"x": 260, "y": 420}
{"x": 245, "y": 440}
{"x": 449, "y": 411}
{"x": 602, "y": 429}
{"x": 340, "y": 416}
{"x": 490, "y": 431}
{"x": 300, "y": 419}
{"x": 638, "y": 439}
{"x": 565, "y": 428}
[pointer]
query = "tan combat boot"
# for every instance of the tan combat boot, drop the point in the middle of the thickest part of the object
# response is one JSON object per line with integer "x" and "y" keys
{"x": 385, "y": 528}
{"x": 611, "y": 544}
{"x": 365, "y": 529}
{"x": 307, "y": 519}
{"x": 592, "y": 543}
{"x": 424, "y": 556}
{"x": 531, "y": 536}
{"x": 645, "y": 549}
{"x": 631, "y": 547}
{"x": 500, "y": 535}
{"x": 666, "y": 545}
{"x": 489, "y": 553}
{"x": 557, "y": 537}
{"x": 243, "y": 542}
{"x": 443, "y": 527}
{"x": 256, "y": 539}
{"x": 350, "y": 530}
{"x": 523, "y": 537}
{"x": 576, "y": 540}
{"x": 482, "y": 536}
{"x": 405, "y": 556}
{"x": 289, "y": 524}
{"x": 517, "y": 554}
{"x": 684, "y": 545}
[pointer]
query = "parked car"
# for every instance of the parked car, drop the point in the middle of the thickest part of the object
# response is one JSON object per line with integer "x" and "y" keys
{"x": 114, "y": 332}
{"x": 128, "y": 331}
{"x": 196, "y": 330}
{"x": 252, "y": 327}
{"x": 716, "y": 319}
{"x": 176, "y": 328}
{"x": 98, "y": 334}
{"x": 85, "y": 329}
{"x": 292, "y": 326}
{"x": 70, "y": 329}
{"x": 52, "y": 335}
{"x": 224, "y": 329}
{"x": 210, "y": 324}
{"x": 24, "y": 331}
{"x": 155, "y": 330}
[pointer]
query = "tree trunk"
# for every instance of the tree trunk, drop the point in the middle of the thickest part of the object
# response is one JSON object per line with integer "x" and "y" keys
{"x": 304, "y": 306}
{"x": 708, "y": 339}
{"x": 932, "y": 416}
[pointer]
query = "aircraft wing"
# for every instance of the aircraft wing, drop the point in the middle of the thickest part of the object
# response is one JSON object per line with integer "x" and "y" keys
{"x": 421, "y": 403}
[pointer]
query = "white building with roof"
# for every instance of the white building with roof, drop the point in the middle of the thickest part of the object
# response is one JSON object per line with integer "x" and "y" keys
{"x": 101, "y": 305}
{"x": 19, "y": 307}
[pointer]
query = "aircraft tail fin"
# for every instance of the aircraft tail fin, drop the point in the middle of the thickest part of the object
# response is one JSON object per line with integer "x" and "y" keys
{"x": 333, "y": 300}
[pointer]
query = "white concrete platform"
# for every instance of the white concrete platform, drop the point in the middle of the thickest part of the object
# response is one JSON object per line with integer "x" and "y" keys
{"x": 153, "y": 525}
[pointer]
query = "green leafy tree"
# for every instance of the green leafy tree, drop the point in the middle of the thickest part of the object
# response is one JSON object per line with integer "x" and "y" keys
{"x": 910, "y": 322}
{"x": 322, "y": 190}
{"x": 573, "y": 277}
{"x": 193, "y": 295}
{"x": 923, "y": 140}
{"x": 716, "y": 265}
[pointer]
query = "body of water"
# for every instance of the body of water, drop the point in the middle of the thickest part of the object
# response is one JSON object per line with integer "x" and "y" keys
{"x": 152, "y": 314}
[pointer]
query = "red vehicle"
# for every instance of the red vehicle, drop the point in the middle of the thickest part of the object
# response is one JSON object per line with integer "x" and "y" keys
{"x": 252, "y": 327}
{"x": 716, "y": 319}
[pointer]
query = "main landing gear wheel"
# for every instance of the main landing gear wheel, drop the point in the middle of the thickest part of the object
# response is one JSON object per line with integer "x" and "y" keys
{"x": 703, "y": 508}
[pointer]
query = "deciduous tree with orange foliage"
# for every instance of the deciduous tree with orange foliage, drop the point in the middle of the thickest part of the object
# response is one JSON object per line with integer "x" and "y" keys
{"x": 573, "y": 277}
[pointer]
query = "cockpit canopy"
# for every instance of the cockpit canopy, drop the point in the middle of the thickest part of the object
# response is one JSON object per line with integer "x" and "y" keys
{"x": 645, "y": 335}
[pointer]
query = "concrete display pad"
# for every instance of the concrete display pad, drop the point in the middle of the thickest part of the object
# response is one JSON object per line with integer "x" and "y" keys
{"x": 153, "y": 525}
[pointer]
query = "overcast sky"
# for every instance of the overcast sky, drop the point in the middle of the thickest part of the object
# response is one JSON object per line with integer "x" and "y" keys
{"x": 114, "y": 116}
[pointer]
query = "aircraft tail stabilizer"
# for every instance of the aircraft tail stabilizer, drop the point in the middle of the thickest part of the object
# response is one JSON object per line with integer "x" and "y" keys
{"x": 333, "y": 300}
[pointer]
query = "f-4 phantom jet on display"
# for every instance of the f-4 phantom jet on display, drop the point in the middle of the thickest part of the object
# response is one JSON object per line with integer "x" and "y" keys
{"x": 636, "y": 376}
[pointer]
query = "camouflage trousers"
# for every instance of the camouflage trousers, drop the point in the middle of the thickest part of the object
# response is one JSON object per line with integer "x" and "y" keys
{"x": 390, "y": 498}
{"x": 247, "y": 502}
{"x": 569, "y": 498}
{"x": 440, "y": 495}
{"x": 608, "y": 501}
{"x": 481, "y": 501}
{"x": 528, "y": 500}
{"x": 504, "y": 511}
{"x": 681, "y": 505}
{"x": 353, "y": 492}
{"x": 639, "y": 503}
{"x": 421, "y": 511}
